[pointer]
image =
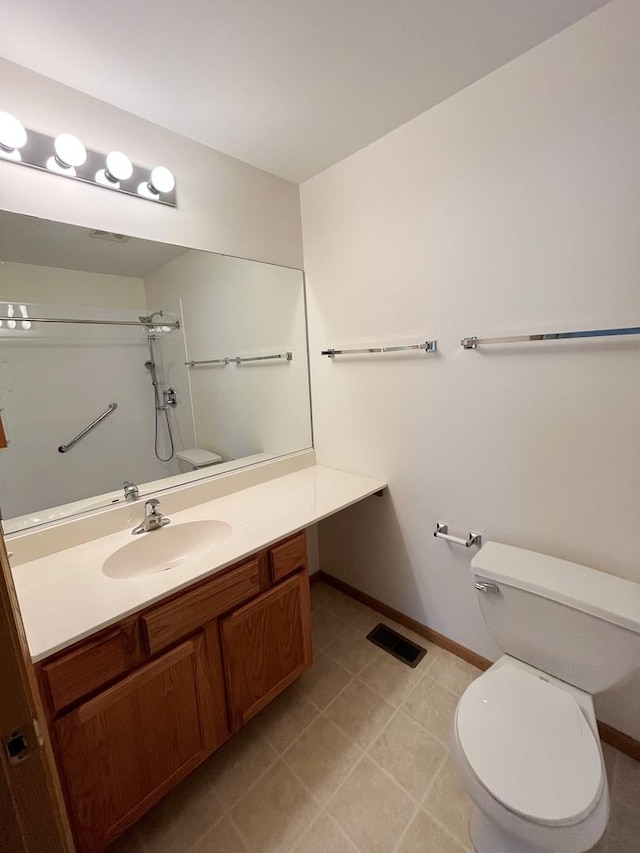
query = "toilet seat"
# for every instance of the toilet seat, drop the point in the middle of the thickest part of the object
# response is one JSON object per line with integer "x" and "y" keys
{"x": 530, "y": 746}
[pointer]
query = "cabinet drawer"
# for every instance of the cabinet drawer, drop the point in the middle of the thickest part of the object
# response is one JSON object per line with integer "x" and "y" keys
{"x": 289, "y": 557}
{"x": 178, "y": 618}
{"x": 91, "y": 666}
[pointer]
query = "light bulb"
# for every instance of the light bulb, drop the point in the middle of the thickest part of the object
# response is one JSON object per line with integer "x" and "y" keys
{"x": 105, "y": 180}
{"x": 26, "y": 324}
{"x": 161, "y": 180}
{"x": 146, "y": 192}
{"x": 12, "y": 134}
{"x": 10, "y": 155}
{"x": 11, "y": 323}
{"x": 119, "y": 166}
{"x": 70, "y": 152}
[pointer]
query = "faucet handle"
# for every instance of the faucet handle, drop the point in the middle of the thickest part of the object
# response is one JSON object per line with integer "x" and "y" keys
{"x": 152, "y": 503}
{"x": 130, "y": 490}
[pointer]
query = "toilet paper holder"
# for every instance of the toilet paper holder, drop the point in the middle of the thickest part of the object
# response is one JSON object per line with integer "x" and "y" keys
{"x": 442, "y": 532}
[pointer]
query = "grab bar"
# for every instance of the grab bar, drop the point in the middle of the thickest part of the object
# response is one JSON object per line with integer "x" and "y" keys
{"x": 110, "y": 408}
{"x": 442, "y": 532}
{"x": 473, "y": 342}
{"x": 427, "y": 346}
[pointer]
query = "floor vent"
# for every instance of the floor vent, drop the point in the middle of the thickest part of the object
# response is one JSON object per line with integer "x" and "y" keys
{"x": 396, "y": 645}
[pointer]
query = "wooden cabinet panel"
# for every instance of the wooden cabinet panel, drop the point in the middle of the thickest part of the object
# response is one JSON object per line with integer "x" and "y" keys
{"x": 91, "y": 666}
{"x": 266, "y": 645}
{"x": 124, "y": 749}
{"x": 177, "y": 619}
{"x": 289, "y": 557}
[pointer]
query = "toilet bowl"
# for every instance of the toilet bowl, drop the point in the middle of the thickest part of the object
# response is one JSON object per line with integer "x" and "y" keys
{"x": 194, "y": 459}
{"x": 527, "y": 751}
{"x": 524, "y": 738}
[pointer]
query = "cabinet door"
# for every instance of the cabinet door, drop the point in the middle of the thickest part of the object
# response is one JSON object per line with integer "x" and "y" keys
{"x": 266, "y": 645}
{"x": 124, "y": 749}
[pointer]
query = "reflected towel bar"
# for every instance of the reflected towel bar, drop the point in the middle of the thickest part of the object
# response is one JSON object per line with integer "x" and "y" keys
{"x": 238, "y": 359}
{"x": 110, "y": 408}
{"x": 208, "y": 361}
{"x": 442, "y": 532}
{"x": 473, "y": 342}
{"x": 427, "y": 346}
{"x": 285, "y": 356}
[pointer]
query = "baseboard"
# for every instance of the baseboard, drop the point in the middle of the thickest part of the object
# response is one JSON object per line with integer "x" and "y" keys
{"x": 417, "y": 627}
{"x": 613, "y": 737}
{"x": 622, "y": 742}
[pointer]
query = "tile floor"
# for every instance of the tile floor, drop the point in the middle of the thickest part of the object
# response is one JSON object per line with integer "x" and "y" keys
{"x": 353, "y": 757}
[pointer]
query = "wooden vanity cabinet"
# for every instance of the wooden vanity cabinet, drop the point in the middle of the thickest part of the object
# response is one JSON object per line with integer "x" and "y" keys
{"x": 135, "y": 708}
{"x": 124, "y": 749}
{"x": 266, "y": 645}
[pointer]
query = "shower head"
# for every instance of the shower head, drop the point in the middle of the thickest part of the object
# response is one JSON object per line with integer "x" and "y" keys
{"x": 156, "y": 329}
{"x": 149, "y": 319}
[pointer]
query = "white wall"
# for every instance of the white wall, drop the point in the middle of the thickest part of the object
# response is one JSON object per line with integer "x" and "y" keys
{"x": 233, "y": 307}
{"x": 224, "y": 205}
{"x": 31, "y": 283}
{"x": 512, "y": 207}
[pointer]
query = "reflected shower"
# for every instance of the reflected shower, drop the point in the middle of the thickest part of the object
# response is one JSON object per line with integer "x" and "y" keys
{"x": 167, "y": 398}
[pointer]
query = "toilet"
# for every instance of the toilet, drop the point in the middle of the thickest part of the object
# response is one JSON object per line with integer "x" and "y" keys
{"x": 194, "y": 459}
{"x": 524, "y": 738}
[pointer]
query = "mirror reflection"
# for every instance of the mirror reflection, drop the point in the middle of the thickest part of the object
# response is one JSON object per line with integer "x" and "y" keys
{"x": 163, "y": 365}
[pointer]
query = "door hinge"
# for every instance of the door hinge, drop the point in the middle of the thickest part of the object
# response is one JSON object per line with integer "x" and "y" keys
{"x": 23, "y": 742}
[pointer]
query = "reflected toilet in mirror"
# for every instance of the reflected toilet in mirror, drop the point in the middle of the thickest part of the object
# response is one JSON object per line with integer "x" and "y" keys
{"x": 196, "y": 459}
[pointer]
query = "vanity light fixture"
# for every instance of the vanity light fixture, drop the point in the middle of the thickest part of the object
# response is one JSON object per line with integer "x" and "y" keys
{"x": 66, "y": 155}
{"x": 13, "y": 137}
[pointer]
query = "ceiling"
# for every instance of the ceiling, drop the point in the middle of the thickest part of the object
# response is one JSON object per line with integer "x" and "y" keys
{"x": 290, "y": 86}
{"x": 29, "y": 240}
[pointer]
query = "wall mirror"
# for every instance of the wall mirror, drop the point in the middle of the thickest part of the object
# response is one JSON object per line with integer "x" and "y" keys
{"x": 187, "y": 363}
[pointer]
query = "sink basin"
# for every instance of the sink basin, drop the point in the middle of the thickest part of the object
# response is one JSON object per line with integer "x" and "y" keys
{"x": 166, "y": 548}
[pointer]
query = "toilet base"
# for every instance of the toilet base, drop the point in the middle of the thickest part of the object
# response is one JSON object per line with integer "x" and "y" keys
{"x": 488, "y": 837}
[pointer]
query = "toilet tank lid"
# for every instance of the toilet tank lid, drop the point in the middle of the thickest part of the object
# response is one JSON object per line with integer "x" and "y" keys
{"x": 198, "y": 457}
{"x": 605, "y": 596}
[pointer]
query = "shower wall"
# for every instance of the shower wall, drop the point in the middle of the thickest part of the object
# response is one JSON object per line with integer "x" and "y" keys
{"x": 232, "y": 306}
{"x": 56, "y": 379}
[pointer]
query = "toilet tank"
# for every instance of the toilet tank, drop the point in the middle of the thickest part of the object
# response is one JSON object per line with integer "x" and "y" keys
{"x": 576, "y": 623}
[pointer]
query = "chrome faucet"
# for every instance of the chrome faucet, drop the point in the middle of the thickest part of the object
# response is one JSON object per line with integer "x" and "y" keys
{"x": 153, "y": 518}
{"x": 130, "y": 491}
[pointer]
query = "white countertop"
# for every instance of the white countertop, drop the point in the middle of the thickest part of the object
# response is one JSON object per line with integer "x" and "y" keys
{"x": 65, "y": 596}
